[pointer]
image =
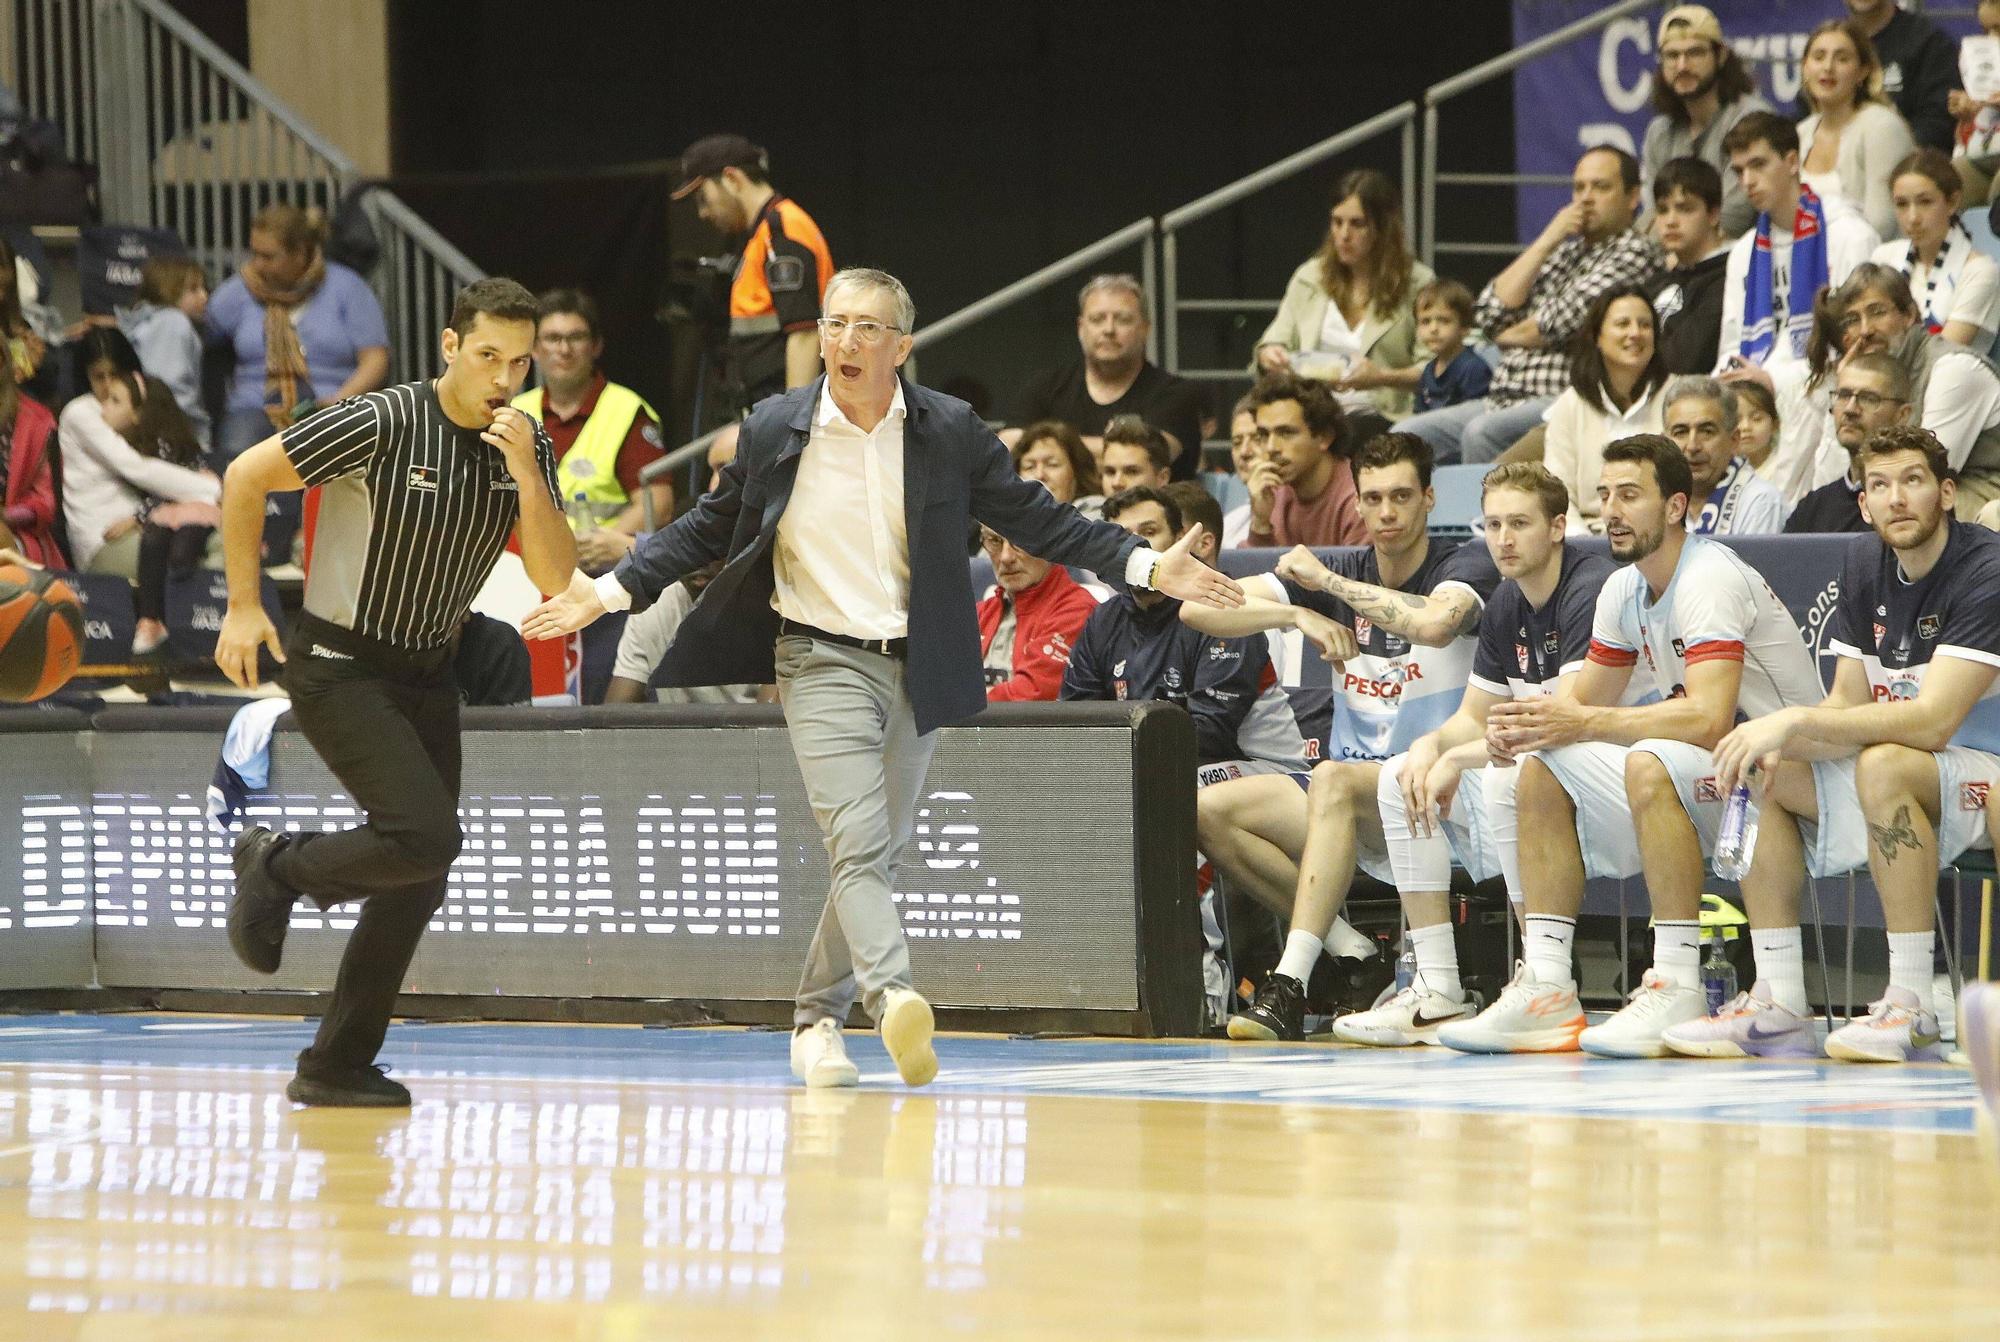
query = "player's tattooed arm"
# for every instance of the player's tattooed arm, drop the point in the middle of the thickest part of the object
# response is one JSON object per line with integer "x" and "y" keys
{"x": 1432, "y": 621}
{"x": 1895, "y": 835}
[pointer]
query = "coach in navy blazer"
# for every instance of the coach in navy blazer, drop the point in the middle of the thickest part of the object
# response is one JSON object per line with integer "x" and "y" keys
{"x": 954, "y": 469}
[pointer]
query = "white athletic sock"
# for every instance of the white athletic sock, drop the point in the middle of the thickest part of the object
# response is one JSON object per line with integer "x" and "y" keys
{"x": 1910, "y": 965}
{"x": 1547, "y": 948}
{"x": 1437, "y": 960}
{"x": 1677, "y": 951}
{"x": 1301, "y": 954}
{"x": 1781, "y": 965}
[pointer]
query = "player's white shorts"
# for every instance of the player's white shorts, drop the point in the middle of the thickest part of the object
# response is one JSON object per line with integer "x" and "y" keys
{"x": 1225, "y": 771}
{"x": 1466, "y": 825}
{"x": 1593, "y": 773}
{"x": 1967, "y": 781}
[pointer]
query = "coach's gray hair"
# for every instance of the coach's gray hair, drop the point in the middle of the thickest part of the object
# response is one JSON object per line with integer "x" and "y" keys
{"x": 882, "y": 281}
{"x": 1124, "y": 284}
{"x": 1700, "y": 387}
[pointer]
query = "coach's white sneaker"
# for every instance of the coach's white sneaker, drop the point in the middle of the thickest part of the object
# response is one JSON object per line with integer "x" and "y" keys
{"x": 1529, "y": 1017}
{"x": 1412, "y": 1016}
{"x": 1896, "y": 1029}
{"x": 819, "y": 1056}
{"x": 907, "y": 1025}
{"x": 1751, "y": 1026}
{"x": 1635, "y": 1031}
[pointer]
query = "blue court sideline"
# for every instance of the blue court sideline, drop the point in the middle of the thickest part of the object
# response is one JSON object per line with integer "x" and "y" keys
{"x": 1925, "y": 1097}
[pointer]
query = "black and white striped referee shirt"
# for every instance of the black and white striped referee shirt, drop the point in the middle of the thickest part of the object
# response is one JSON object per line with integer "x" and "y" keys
{"x": 413, "y": 512}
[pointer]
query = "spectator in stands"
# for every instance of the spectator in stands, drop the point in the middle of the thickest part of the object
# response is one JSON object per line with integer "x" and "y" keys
{"x": 604, "y": 433}
{"x": 1054, "y": 453}
{"x": 1919, "y": 67}
{"x": 1245, "y": 449}
{"x": 1029, "y": 622}
{"x": 1701, "y": 90}
{"x": 1348, "y": 314}
{"x": 27, "y": 475}
{"x": 1729, "y": 497}
{"x": 1301, "y": 489}
{"x": 1687, "y": 209}
{"x": 1533, "y": 307}
{"x": 1114, "y": 378}
{"x": 25, "y": 350}
{"x": 106, "y": 480}
{"x": 1453, "y": 374}
{"x": 491, "y": 665}
{"x": 1134, "y": 453}
{"x": 1615, "y": 379}
{"x": 1854, "y": 137}
{"x": 164, "y": 324}
{"x": 1769, "y": 293}
{"x": 1956, "y": 392}
{"x": 1976, "y": 148}
{"x": 781, "y": 272}
{"x": 1958, "y": 285}
{"x": 1757, "y": 423}
{"x": 1197, "y": 505}
{"x": 649, "y": 634}
{"x": 1871, "y": 393}
{"x": 306, "y": 331}
{"x": 173, "y": 536}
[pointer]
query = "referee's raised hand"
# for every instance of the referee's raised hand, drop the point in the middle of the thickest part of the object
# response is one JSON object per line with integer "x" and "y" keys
{"x": 244, "y": 630}
{"x": 566, "y": 612}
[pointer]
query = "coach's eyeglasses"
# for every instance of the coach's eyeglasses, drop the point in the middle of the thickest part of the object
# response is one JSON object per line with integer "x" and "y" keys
{"x": 867, "y": 332}
{"x": 1867, "y": 400}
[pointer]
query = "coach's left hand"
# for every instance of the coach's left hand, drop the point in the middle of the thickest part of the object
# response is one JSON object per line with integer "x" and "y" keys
{"x": 1543, "y": 723}
{"x": 1179, "y": 574}
{"x": 566, "y": 612}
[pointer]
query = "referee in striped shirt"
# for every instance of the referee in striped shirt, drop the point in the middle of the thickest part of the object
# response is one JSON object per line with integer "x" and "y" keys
{"x": 420, "y": 486}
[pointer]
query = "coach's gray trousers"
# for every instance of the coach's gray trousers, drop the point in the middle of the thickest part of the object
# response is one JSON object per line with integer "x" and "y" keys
{"x": 863, "y": 762}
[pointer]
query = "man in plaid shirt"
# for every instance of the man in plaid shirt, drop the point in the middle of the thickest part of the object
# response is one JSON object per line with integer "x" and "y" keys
{"x": 1533, "y": 307}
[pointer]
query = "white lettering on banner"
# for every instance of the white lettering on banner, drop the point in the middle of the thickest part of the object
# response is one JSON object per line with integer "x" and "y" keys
{"x": 1623, "y": 97}
{"x": 1781, "y": 54}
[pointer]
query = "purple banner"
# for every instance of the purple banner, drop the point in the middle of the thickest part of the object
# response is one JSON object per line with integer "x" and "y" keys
{"x": 1598, "y": 89}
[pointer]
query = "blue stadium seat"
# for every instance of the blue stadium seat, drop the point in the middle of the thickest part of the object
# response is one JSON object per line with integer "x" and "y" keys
{"x": 1457, "y": 488}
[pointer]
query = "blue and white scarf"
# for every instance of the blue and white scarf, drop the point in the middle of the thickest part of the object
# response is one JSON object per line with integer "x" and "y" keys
{"x": 1809, "y": 276}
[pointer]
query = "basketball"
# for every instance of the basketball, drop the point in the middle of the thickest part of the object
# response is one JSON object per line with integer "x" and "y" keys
{"x": 41, "y": 634}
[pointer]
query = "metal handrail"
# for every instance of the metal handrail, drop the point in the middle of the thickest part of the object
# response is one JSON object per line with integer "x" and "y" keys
{"x": 1138, "y": 232}
{"x": 432, "y": 241}
{"x": 1402, "y": 116}
{"x": 1483, "y": 73}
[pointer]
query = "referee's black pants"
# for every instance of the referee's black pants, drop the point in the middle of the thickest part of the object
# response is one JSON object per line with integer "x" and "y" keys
{"x": 385, "y": 721}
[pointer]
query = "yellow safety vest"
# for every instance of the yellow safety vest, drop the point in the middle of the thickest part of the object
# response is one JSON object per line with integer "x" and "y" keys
{"x": 590, "y": 468}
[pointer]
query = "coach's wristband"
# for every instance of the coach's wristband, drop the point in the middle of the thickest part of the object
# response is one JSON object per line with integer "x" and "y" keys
{"x": 611, "y": 593}
{"x": 1139, "y": 568}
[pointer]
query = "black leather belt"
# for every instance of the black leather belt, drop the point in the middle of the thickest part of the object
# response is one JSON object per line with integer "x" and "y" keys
{"x": 899, "y": 648}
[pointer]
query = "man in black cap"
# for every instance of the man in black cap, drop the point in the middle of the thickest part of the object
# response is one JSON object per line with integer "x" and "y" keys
{"x": 781, "y": 272}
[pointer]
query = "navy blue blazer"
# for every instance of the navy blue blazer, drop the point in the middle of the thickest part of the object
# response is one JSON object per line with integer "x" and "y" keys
{"x": 954, "y": 469}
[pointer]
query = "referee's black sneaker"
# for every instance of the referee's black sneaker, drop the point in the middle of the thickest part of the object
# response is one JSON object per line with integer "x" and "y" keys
{"x": 1278, "y": 1013}
{"x": 261, "y": 909}
{"x": 345, "y": 1088}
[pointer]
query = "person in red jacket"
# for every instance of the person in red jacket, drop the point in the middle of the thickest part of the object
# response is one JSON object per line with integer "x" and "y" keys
{"x": 27, "y": 480}
{"x": 1029, "y": 623}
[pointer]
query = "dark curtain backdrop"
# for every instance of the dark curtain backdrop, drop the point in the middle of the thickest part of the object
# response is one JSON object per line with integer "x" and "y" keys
{"x": 958, "y": 146}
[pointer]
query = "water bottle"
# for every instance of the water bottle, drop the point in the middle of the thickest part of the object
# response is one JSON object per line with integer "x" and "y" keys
{"x": 1406, "y": 964}
{"x": 1738, "y": 837}
{"x": 1718, "y": 976}
{"x": 578, "y": 512}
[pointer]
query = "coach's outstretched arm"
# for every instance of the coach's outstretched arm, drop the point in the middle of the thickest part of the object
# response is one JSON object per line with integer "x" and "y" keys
{"x": 251, "y": 478}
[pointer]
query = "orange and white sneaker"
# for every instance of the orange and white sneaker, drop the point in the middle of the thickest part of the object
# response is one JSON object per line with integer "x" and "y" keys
{"x": 1896, "y": 1029}
{"x": 1529, "y": 1017}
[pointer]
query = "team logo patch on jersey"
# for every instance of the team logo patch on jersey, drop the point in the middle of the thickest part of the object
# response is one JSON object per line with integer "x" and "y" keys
{"x": 1927, "y": 626}
{"x": 1551, "y": 646}
{"x": 505, "y": 483}
{"x": 1521, "y": 656}
{"x": 1707, "y": 789}
{"x": 1118, "y": 669}
{"x": 785, "y": 274}
{"x": 424, "y": 478}
{"x": 1880, "y": 634}
{"x": 1680, "y": 648}
{"x": 1972, "y": 796}
{"x": 1362, "y": 629}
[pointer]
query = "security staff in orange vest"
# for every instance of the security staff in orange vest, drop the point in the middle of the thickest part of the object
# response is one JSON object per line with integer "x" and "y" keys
{"x": 780, "y": 275}
{"x": 604, "y": 434}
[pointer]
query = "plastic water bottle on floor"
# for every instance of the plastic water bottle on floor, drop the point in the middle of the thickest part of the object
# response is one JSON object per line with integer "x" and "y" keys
{"x": 1406, "y": 964}
{"x": 1718, "y": 976}
{"x": 1737, "y": 838}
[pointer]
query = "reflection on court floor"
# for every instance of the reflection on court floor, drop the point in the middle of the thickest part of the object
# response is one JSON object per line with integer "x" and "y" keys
{"x": 636, "y": 1184}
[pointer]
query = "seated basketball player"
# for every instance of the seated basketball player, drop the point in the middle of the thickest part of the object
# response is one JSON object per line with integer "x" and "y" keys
{"x": 1895, "y": 767}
